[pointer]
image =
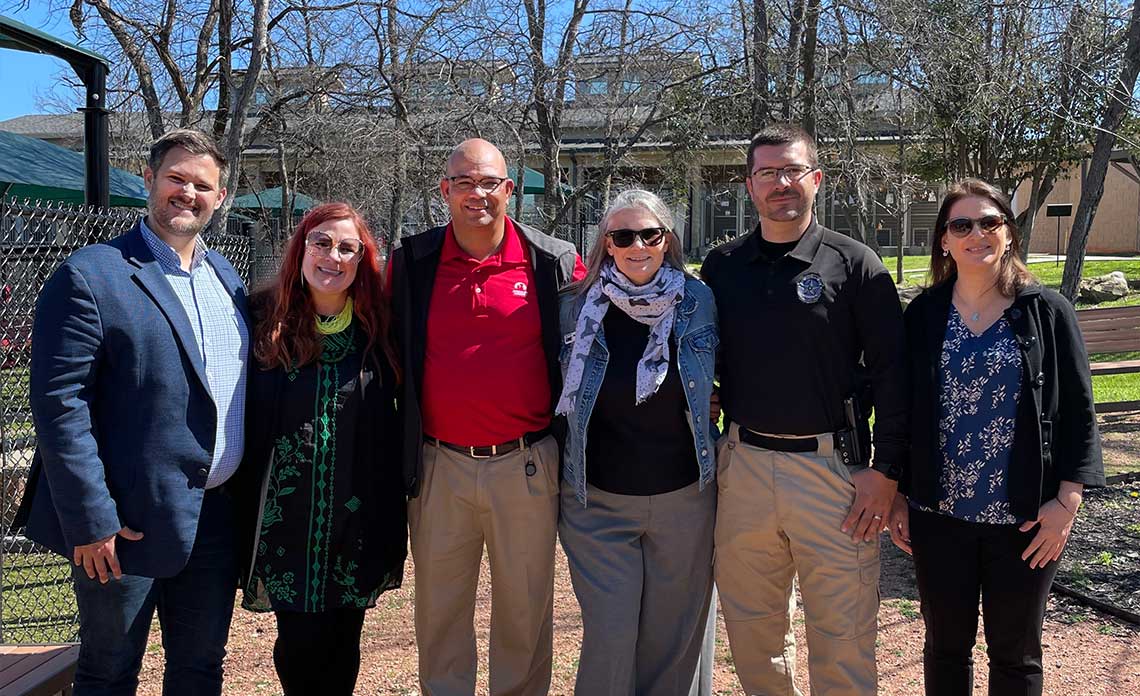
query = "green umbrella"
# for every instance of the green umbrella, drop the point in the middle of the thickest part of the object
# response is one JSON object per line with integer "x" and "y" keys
{"x": 270, "y": 199}
{"x": 535, "y": 182}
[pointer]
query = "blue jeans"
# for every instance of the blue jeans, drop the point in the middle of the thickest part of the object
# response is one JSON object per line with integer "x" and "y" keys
{"x": 194, "y": 610}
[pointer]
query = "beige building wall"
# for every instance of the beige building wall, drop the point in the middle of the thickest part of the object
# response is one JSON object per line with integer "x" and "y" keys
{"x": 1116, "y": 225}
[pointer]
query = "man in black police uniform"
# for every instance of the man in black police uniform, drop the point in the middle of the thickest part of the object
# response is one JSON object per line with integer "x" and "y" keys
{"x": 804, "y": 314}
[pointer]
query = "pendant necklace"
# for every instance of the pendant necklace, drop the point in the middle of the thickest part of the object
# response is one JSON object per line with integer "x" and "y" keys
{"x": 976, "y": 314}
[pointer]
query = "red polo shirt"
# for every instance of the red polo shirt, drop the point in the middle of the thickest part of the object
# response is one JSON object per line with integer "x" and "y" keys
{"x": 485, "y": 379}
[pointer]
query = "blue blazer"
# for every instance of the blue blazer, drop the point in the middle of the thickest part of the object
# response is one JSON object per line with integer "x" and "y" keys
{"x": 124, "y": 420}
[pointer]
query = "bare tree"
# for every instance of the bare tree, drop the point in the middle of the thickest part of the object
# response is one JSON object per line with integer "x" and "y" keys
{"x": 1092, "y": 188}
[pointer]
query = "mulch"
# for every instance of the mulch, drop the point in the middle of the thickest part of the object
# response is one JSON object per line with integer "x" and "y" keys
{"x": 1102, "y": 560}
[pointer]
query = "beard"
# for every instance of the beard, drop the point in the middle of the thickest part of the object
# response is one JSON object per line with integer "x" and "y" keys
{"x": 176, "y": 226}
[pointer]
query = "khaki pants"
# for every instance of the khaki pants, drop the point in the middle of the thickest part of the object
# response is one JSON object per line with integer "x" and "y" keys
{"x": 778, "y": 515}
{"x": 464, "y": 503}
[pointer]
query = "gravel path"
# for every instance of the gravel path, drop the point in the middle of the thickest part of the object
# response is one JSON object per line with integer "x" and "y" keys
{"x": 1087, "y": 653}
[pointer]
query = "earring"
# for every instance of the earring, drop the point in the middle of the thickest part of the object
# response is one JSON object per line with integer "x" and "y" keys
{"x": 945, "y": 252}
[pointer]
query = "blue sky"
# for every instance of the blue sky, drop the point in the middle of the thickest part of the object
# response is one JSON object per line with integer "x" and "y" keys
{"x": 24, "y": 76}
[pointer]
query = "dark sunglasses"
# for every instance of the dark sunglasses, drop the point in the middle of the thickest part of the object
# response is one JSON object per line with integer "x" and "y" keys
{"x": 963, "y": 226}
{"x": 650, "y": 236}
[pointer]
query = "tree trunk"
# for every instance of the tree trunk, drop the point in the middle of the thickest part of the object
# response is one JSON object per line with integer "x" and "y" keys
{"x": 225, "y": 67}
{"x": 760, "y": 102}
{"x": 1040, "y": 188}
{"x": 811, "y": 25}
{"x": 235, "y": 132}
{"x": 520, "y": 184}
{"x": 791, "y": 60}
{"x": 1092, "y": 187}
{"x": 285, "y": 212}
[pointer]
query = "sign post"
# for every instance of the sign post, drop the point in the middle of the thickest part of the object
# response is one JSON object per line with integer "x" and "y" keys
{"x": 1058, "y": 210}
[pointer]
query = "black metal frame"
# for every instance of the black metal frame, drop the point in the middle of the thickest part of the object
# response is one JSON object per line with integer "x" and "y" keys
{"x": 92, "y": 70}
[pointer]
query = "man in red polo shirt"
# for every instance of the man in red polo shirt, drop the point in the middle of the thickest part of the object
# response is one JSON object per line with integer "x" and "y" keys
{"x": 475, "y": 308}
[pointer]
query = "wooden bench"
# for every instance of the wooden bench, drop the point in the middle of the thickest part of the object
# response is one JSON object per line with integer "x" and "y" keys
{"x": 37, "y": 670}
{"x": 1113, "y": 330}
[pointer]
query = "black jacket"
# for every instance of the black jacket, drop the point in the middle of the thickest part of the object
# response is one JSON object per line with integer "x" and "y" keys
{"x": 1055, "y": 431}
{"x": 413, "y": 270}
{"x": 376, "y": 478}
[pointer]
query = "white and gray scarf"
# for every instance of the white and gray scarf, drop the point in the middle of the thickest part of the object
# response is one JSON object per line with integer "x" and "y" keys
{"x": 653, "y": 304}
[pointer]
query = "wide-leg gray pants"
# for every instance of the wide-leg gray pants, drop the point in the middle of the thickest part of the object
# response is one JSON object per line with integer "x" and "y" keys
{"x": 642, "y": 571}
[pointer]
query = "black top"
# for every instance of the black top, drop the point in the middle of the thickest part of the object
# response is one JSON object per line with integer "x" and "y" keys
{"x": 1055, "y": 433}
{"x": 320, "y": 496}
{"x": 793, "y": 328}
{"x": 772, "y": 251}
{"x": 638, "y": 449}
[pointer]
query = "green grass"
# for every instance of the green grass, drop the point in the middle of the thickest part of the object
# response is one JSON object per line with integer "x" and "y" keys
{"x": 38, "y": 603}
{"x": 13, "y": 389}
{"x": 1116, "y": 387}
{"x": 911, "y": 264}
{"x": 1050, "y": 274}
{"x": 1046, "y": 271}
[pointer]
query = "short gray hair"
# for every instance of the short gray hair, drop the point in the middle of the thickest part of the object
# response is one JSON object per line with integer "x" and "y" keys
{"x": 632, "y": 198}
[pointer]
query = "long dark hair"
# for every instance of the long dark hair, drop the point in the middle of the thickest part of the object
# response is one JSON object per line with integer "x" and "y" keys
{"x": 1013, "y": 274}
{"x": 287, "y": 335}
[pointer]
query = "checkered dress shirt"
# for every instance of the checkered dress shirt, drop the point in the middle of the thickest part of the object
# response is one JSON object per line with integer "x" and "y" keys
{"x": 223, "y": 344}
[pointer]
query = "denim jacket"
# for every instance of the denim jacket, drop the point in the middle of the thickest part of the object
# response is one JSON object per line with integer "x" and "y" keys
{"x": 697, "y": 339}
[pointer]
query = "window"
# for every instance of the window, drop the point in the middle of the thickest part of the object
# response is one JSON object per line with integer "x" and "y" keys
{"x": 597, "y": 87}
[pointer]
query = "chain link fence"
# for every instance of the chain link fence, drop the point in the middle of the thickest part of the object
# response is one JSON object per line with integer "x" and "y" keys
{"x": 36, "y": 601}
{"x": 581, "y": 235}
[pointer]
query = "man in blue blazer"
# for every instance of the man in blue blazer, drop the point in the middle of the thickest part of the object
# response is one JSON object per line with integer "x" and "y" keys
{"x": 139, "y": 354}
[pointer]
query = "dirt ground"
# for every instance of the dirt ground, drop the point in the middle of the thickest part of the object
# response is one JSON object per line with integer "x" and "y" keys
{"x": 1087, "y": 653}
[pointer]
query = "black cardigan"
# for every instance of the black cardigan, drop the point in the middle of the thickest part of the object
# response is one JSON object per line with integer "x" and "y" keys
{"x": 1055, "y": 432}
{"x": 378, "y": 446}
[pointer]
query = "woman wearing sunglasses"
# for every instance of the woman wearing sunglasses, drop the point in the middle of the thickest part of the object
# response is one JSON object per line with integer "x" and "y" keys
{"x": 637, "y": 509}
{"x": 323, "y": 528}
{"x": 1004, "y": 440}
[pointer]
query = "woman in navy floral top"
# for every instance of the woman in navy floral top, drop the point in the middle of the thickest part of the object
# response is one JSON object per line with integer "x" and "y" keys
{"x": 1004, "y": 441}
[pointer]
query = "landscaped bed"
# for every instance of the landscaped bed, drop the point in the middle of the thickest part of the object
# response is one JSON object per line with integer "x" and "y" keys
{"x": 1102, "y": 561}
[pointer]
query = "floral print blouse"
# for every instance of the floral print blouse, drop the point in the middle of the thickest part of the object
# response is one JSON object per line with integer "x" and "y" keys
{"x": 980, "y": 379}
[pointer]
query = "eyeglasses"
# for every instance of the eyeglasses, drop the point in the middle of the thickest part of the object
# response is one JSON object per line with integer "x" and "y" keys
{"x": 962, "y": 226}
{"x": 650, "y": 236}
{"x": 792, "y": 172}
{"x": 465, "y": 184}
{"x": 321, "y": 245}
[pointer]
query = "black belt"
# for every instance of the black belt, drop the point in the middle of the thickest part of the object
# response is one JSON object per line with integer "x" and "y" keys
{"x": 780, "y": 444}
{"x": 488, "y": 451}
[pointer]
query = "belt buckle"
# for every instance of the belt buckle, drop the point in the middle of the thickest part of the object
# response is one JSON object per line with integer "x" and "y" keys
{"x": 475, "y": 455}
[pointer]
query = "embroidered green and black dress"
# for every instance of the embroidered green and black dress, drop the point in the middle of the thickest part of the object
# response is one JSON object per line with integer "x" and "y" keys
{"x": 326, "y": 523}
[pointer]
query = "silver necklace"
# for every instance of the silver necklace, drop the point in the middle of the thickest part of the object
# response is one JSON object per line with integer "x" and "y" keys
{"x": 977, "y": 314}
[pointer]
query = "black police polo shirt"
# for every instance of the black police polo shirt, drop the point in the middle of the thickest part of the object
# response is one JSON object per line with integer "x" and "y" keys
{"x": 794, "y": 329}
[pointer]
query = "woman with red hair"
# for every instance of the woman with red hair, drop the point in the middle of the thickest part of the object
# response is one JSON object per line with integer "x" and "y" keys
{"x": 320, "y": 490}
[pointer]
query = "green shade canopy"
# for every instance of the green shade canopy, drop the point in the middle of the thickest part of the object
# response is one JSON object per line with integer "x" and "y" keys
{"x": 535, "y": 182}
{"x": 270, "y": 199}
{"x": 18, "y": 36}
{"x": 36, "y": 169}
